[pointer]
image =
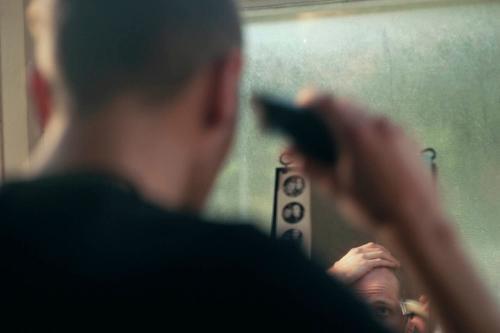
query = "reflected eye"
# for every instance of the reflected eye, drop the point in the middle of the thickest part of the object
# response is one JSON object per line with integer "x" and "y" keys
{"x": 382, "y": 312}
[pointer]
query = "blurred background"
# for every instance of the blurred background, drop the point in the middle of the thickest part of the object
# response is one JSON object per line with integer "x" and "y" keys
{"x": 432, "y": 65}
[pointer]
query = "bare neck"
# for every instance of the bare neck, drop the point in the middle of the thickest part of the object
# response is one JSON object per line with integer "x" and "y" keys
{"x": 132, "y": 148}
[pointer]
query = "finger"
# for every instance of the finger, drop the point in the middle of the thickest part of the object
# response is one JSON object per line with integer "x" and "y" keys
{"x": 424, "y": 299}
{"x": 338, "y": 115}
{"x": 369, "y": 245}
{"x": 374, "y": 250}
{"x": 323, "y": 104}
{"x": 307, "y": 97}
{"x": 425, "y": 302}
{"x": 379, "y": 262}
{"x": 381, "y": 255}
{"x": 374, "y": 246}
{"x": 341, "y": 115}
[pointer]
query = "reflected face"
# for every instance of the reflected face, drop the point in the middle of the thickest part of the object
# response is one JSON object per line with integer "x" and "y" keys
{"x": 381, "y": 289}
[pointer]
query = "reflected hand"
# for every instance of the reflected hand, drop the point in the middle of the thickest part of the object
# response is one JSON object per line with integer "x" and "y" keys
{"x": 361, "y": 260}
{"x": 417, "y": 324}
{"x": 381, "y": 176}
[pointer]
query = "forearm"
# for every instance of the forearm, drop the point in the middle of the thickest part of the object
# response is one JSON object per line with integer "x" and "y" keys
{"x": 462, "y": 301}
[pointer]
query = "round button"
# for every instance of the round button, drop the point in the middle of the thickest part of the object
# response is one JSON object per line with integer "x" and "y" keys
{"x": 294, "y": 186}
{"x": 294, "y": 237}
{"x": 293, "y": 213}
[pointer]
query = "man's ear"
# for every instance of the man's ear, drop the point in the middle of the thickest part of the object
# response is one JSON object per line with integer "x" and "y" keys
{"x": 41, "y": 94}
{"x": 223, "y": 104}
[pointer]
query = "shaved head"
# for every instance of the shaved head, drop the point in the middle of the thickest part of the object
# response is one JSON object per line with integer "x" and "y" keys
{"x": 99, "y": 49}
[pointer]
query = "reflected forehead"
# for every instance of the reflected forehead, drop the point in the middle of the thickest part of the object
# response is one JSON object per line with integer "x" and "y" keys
{"x": 380, "y": 282}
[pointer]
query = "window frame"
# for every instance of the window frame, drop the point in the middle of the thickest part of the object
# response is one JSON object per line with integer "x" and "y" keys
{"x": 267, "y": 4}
{"x": 275, "y": 10}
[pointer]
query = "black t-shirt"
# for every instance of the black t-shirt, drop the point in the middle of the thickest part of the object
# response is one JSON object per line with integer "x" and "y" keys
{"x": 82, "y": 252}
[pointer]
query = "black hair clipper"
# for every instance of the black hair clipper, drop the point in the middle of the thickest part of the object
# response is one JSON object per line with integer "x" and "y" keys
{"x": 302, "y": 125}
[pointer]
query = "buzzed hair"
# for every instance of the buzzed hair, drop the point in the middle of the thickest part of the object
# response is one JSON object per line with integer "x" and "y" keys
{"x": 104, "y": 48}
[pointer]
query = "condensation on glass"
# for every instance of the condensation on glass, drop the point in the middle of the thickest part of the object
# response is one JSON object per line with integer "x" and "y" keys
{"x": 432, "y": 65}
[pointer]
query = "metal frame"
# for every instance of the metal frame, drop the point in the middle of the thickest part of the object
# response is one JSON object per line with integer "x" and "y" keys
{"x": 279, "y": 226}
{"x": 275, "y": 10}
{"x": 266, "y": 4}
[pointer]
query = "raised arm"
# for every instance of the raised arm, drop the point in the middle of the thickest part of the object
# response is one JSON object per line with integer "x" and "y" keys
{"x": 381, "y": 181}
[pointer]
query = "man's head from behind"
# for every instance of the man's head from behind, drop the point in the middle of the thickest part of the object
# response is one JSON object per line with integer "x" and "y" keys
{"x": 99, "y": 57}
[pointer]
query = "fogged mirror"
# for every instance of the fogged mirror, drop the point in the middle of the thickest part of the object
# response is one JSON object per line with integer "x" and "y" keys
{"x": 434, "y": 66}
